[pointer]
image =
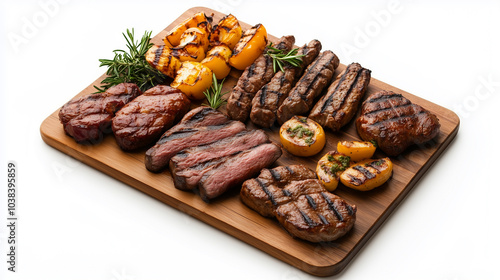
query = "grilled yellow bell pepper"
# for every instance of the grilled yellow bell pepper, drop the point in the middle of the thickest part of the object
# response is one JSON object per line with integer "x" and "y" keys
{"x": 199, "y": 20}
{"x": 163, "y": 59}
{"x": 367, "y": 174}
{"x": 249, "y": 47}
{"x": 217, "y": 60}
{"x": 356, "y": 150}
{"x": 192, "y": 46}
{"x": 193, "y": 78}
{"x": 330, "y": 167}
{"x": 228, "y": 31}
{"x": 302, "y": 136}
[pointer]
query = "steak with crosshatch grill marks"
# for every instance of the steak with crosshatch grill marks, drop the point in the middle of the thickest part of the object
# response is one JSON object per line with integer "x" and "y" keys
{"x": 300, "y": 203}
{"x": 310, "y": 86}
{"x": 142, "y": 121}
{"x": 341, "y": 102}
{"x": 251, "y": 80}
{"x": 395, "y": 123}
{"x": 88, "y": 118}
{"x": 266, "y": 102}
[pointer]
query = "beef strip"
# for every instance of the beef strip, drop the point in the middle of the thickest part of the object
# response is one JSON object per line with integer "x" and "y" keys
{"x": 266, "y": 102}
{"x": 252, "y": 79}
{"x": 316, "y": 77}
{"x": 395, "y": 123}
{"x": 339, "y": 105}
{"x": 142, "y": 121}
{"x": 88, "y": 118}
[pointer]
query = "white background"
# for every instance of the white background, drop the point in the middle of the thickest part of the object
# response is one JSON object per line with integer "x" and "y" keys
{"x": 77, "y": 223}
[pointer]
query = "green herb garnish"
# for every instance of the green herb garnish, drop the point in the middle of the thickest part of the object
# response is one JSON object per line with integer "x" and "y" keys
{"x": 214, "y": 94}
{"x": 280, "y": 57}
{"x": 131, "y": 66}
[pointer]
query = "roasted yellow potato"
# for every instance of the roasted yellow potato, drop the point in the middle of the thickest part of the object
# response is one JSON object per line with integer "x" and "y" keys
{"x": 217, "y": 60}
{"x": 163, "y": 59}
{"x": 193, "y": 78}
{"x": 302, "y": 136}
{"x": 367, "y": 174}
{"x": 330, "y": 167}
{"x": 199, "y": 20}
{"x": 228, "y": 32}
{"x": 356, "y": 150}
{"x": 249, "y": 47}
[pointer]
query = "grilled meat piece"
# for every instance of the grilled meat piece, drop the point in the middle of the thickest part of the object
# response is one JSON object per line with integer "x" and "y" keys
{"x": 395, "y": 123}
{"x": 189, "y": 165}
{"x": 316, "y": 77}
{"x": 253, "y": 78}
{"x": 300, "y": 204}
{"x": 265, "y": 192}
{"x": 266, "y": 102}
{"x": 339, "y": 105}
{"x": 88, "y": 118}
{"x": 143, "y": 120}
{"x": 234, "y": 170}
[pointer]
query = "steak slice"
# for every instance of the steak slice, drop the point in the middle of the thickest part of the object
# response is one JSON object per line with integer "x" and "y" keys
{"x": 158, "y": 156}
{"x": 235, "y": 169}
{"x": 142, "y": 121}
{"x": 88, "y": 118}
{"x": 300, "y": 203}
{"x": 316, "y": 77}
{"x": 265, "y": 192}
{"x": 395, "y": 123}
{"x": 253, "y": 78}
{"x": 339, "y": 105}
{"x": 266, "y": 102}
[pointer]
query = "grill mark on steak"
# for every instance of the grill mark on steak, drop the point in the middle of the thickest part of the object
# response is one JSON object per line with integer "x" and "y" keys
{"x": 264, "y": 188}
{"x": 332, "y": 207}
{"x": 307, "y": 219}
{"x": 311, "y": 201}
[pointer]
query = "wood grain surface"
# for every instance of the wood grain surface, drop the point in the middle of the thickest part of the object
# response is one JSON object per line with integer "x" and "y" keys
{"x": 229, "y": 214}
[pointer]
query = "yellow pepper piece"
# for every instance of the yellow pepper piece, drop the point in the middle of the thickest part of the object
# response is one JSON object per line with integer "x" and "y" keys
{"x": 356, "y": 150}
{"x": 228, "y": 31}
{"x": 302, "y": 136}
{"x": 330, "y": 167}
{"x": 162, "y": 58}
{"x": 368, "y": 174}
{"x": 199, "y": 20}
{"x": 249, "y": 47}
{"x": 193, "y": 78}
{"x": 217, "y": 60}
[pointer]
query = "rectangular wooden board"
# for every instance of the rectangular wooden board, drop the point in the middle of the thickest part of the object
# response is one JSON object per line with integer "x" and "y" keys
{"x": 230, "y": 215}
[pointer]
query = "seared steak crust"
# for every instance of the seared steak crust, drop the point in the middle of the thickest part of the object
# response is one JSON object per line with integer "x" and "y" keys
{"x": 395, "y": 123}
{"x": 143, "y": 120}
{"x": 253, "y": 78}
{"x": 316, "y": 77}
{"x": 88, "y": 118}
{"x": 300, "y": 203}
{"x": 339, "y": 105}
{"x": 266, "y": 102}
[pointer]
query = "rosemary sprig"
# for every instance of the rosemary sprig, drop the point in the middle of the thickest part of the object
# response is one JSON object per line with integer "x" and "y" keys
{"x": 131, "y": 66}
{"x": 280, "y": 57}
{"x": 214, "y": 94}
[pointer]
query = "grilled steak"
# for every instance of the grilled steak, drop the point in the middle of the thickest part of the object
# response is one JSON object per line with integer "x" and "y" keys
{"x": 339, "y": 105}
{"x": 395, "y": 123}
{"x": 316, "y": 77}
{"x": 143, "y": 120}
{"x": 235, "y": 169}
{"x": 88, "y": 118}
{"x": 253, "y": 78}
{"x": 158, "y": 156}
{"x": 301, "y": 204}
{"x": 266, "y": 102}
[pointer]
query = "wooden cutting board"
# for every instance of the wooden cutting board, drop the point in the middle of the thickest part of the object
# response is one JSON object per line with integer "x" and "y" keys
{"x": 228, "y": 213}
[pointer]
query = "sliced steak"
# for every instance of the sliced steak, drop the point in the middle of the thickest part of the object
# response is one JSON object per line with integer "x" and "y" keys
{"x": 87, "y": 119}
{"x": 158, "y": 156}
{"x": 341, "y": 102}
{"x": 266, "y": 102}
{"x": 310, "y": 86}
{"x": 142, "y": 121}
{"x": 253, "y": 78}
{"x": 300, "y": 203}
{"x": 235, "y": 169}
{"x": 264, "y": 193}
{"x": 395, "y": 123}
